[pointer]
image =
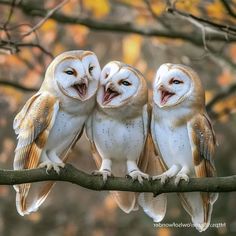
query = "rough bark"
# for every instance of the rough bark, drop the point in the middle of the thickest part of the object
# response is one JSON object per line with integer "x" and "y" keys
{"x": 75, "y": 176}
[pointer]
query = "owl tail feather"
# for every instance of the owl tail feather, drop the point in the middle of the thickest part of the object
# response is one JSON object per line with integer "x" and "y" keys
{"x": 153, "y": 207}
{"x": 28, "y": 200}
{"x": 21, "y": 194}
{"x": 125, "y": 200}
{"x": 199, "y": 206}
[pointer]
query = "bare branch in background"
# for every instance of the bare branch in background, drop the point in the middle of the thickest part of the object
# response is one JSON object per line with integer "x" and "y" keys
{"x": 222, "y": 95}
{"x": 228, "y": 8}
{"x": 214, "y": 27}
{"x": 4, "y": 27}
{"x": 158, "y": 19}
{"x": 219, "y": 97}
{"x": 117, "y": 26}
{"x": 50, "y": 13}
{"x": 75, "y": 176}
{"x": 17, "y": 86}
{"x": 211, "y": 32}
{"x": 14, "y": 47}
{"x": 149, "y": 6}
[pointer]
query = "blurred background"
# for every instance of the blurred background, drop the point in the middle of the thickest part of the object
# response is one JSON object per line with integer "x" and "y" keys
{"x": 145, "y": 34}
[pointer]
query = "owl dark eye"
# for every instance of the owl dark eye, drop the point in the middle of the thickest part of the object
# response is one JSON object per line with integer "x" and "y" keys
{"x": 125, "y": 83}
{"x": 91, "y": 69}
{"x": 69, "y": 72}
{"x": 106, "y": 75}
{"x": 175, "y": 81}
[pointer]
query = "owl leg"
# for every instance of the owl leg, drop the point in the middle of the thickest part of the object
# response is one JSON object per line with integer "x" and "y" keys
{"x": 171, "y": 172}
{"x": 105, "y": 169}
{"x": 51, "y": 161}
{"x": 182, "y": 175}
{"x": 135, "y": 173}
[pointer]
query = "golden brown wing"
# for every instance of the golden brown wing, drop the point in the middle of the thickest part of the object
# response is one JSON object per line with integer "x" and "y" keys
{"x": 203, "y": 144}
{"x": 32, "y": 125}
{"x": 154, "y": 207}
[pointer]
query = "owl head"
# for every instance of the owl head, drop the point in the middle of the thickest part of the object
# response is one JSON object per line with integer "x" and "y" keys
{"x": 175, "y": 84}
{"x": 74, "y": 74}
{"x": 121, "y": 85}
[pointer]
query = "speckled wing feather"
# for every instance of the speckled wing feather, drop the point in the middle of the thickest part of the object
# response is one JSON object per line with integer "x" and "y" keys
{"x": 203, "y": 142}
{"x": 32, "y": 125}
{"x": 44, "y": 189}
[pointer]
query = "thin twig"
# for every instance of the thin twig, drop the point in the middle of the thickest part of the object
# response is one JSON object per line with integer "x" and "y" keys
{"x": 221, "y": 96}
{"x": 118, "y": 26}
{"x": 49, "y": 14}
{"x": 9, "y": 19}
{"x": 218, "y": 28}
{"x": 17, "y": 86}
{"x": 227, "y": 6}
{"x": 15, "y": 46}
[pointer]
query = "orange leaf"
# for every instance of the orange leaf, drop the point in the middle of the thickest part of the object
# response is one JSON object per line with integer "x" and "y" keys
{"x": 131, "y": 48}
{"x": 225, "y": 78}
{"x": 98, "y": 8}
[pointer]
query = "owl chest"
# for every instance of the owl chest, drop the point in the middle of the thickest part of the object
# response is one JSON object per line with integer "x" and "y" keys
{"x": 65, "y": 128}
{"x": 174, "y": 144}
{"x": 119, "y": 140}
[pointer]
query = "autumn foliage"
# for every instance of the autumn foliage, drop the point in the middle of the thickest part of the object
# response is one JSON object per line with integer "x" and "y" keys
{"x": 145, "y": 34}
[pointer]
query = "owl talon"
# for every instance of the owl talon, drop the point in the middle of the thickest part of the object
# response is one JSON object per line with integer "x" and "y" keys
{"x": 104, "y": 173}
{"x": 163, "y": 178}
{"x": 51, "y": 165}
{"x": 180, "y": 177}
{"x": 138, "y": 175}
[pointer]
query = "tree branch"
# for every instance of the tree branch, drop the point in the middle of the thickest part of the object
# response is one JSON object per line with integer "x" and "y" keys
{"x": 14, "y": 47}
{"x": 227, "y": 29}
{"x": 17, "y": 86}
{"x": 75, "y": 176}
{"x": 120, "y": 27}
{"x": 221, "y": 95}
{"x": 40, "y": 23}
{"x": 228, "y": 8}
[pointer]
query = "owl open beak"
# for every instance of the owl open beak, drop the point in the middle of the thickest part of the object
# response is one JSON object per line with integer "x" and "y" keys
{"x": 81, "y": 89}
{"x": 165, "y": 95}
{"x": 109, "y": 94}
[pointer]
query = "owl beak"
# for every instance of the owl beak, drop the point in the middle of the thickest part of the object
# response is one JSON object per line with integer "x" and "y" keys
{"x": 81, "y": 87}
{"x": 165, "y": 94}
{"x": 109, "y": 93}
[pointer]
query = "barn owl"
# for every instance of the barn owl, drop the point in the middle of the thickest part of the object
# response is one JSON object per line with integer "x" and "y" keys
{"x": 118, "y": 131}
{"x": 183, "y": 136}
{"x": 52, "y": 120}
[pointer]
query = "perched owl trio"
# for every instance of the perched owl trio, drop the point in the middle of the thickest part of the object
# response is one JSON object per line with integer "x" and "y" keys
{"x": 173, "y": 139}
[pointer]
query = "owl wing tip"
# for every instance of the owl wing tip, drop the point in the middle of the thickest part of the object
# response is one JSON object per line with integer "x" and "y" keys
{"x": 125, "y": 200}
{"x": 154, "y": 207}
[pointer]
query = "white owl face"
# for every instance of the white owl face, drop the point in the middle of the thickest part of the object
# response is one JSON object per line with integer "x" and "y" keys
{"x": 119, "y": 83}
{"x": 171, "y": 85}
{"x": 77, "y": 75}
